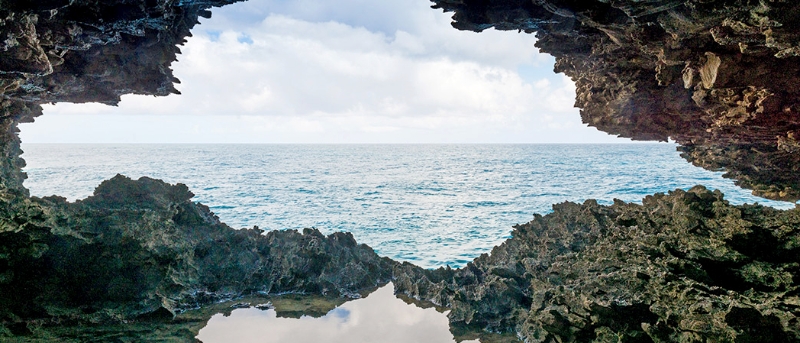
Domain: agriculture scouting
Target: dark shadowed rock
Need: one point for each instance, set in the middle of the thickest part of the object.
(136, 248)
(93, 51)
(720, 77)
(142, 248)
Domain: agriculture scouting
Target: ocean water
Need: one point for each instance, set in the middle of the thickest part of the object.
(432, 205)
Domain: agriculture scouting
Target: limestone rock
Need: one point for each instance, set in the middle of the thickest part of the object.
(718, 76)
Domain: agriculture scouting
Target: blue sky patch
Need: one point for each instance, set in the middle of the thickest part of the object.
(532, 73)
(340, 312)
(244, 38)
(213, 35)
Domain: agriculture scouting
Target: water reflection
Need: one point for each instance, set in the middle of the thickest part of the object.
(380, 317)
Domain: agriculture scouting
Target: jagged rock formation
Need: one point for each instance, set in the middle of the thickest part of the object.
(92, 51)
(84, 51)
(136, 248)
(683, 267)
(142, 248)
(185, 326)
(717, 76)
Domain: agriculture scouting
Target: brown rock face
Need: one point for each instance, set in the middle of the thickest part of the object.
(92, 51)
(84, 51)
(718, 77)
(682, 267)
(721, 78)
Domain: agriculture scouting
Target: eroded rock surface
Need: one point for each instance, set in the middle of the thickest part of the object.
(720, 77)
(93, 51)
(142, 248)
(682, 267)
(137, 249)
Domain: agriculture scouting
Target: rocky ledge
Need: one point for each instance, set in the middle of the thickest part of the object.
(682, 267)
(141, 249)
(719, 77)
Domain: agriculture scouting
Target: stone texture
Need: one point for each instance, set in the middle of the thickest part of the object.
(720, 77)
(142, 248)
(137, 248)
(183, 328)
(93, 51)
(682, 267)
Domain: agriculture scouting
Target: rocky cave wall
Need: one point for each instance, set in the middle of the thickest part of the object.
(682, 267)
(136, 249)
(719, 77)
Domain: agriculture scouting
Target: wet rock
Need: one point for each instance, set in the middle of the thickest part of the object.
(265, 306)
(718, 77)
(137, 249)
(184, 327)
(684, 267)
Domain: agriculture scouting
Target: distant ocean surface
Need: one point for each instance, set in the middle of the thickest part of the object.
(432, 205)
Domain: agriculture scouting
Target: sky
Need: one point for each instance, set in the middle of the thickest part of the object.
(348, 71)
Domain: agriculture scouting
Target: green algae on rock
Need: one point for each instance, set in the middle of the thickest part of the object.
(682, 267)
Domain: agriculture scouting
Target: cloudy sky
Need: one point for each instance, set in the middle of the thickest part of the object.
(349, 71)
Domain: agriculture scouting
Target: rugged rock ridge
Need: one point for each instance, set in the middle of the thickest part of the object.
(141, 248)
(90, 50)
(716, 76)
(84, 51)
(136, 249)
(682, 267)
(720, 77)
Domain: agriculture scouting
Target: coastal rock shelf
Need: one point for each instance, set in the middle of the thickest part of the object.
(141, 249)
(682, 267)
(719, 77)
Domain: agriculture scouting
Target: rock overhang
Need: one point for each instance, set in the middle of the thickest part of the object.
(717, 77)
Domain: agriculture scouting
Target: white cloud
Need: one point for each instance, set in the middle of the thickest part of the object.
(304, 72)
(380, 317)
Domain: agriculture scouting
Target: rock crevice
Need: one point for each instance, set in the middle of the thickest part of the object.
(139, 247)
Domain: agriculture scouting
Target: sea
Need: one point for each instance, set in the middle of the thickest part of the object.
(431, 205)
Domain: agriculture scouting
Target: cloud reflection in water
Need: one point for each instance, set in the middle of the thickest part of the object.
(380, 317)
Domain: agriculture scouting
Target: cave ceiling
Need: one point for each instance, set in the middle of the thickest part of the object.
(720, 78)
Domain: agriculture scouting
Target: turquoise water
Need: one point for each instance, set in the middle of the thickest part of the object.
(432, 205)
